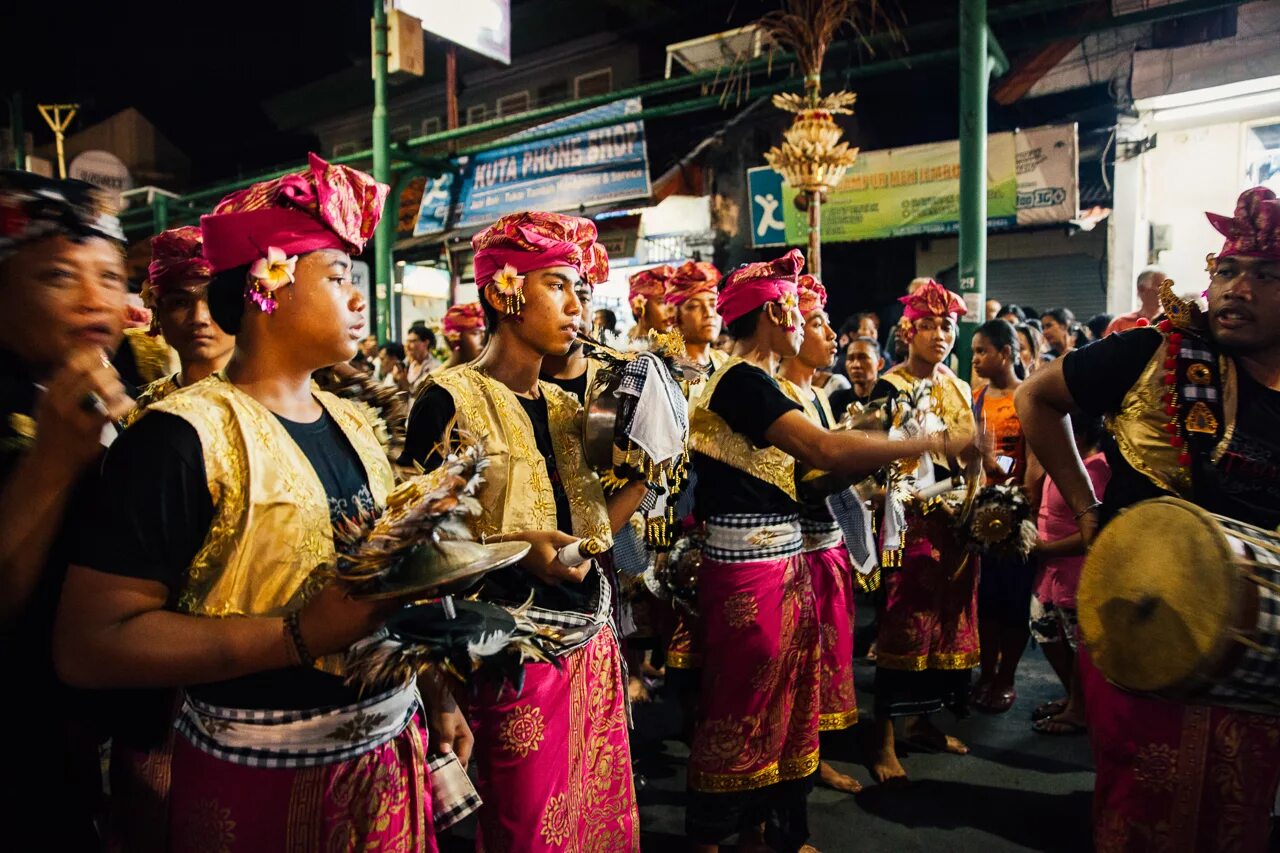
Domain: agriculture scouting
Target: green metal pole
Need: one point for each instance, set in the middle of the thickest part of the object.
(18, 131)
(386, 234)
(160, 212)
(974, 75)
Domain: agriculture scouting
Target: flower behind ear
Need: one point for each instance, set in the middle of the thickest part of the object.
(510, 284)
(268, 275)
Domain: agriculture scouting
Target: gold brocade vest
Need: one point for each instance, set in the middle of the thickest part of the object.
(793, 391)
(515, 494)
(153, 393)
(271, 529)
(713, 438)
(152, 355)
(1139, 425)
(952, 400)
(694, 390)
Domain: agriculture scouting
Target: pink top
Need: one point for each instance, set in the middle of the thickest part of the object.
(1060, 576)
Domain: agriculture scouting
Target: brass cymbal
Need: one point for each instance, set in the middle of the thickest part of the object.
(440, 568)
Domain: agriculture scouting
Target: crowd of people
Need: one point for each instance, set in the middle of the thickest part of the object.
(171, 609)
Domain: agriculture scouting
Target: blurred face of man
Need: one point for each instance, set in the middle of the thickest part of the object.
(1244, 304)
(58, 295)
(993, 308)
(699, 320)
(862, 362)
(934, 337)
(659, 315)
(867, 328)
(469, 344)
(183, 314)
(819, 345)
(369, 346)
(416, 347)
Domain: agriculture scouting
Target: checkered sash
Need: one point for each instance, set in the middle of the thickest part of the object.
(576, 629)
(293, 739)
(819, 535)
(453, 797)
(854, 518)
(750, 538)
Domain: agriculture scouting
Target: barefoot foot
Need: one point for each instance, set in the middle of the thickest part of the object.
(833, 778)
(637, 691)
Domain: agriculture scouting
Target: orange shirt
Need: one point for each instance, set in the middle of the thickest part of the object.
(1002, 422)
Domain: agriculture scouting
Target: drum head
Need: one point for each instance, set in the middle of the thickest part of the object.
(1158, 596)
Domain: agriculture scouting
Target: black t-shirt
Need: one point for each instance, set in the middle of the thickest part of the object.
(156, 511)
(431, 414)
(749, 400)
(842, 399)
(1245, 482)
(577, 387)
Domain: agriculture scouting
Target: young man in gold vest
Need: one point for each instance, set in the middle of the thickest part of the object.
(208, 557)
(824, 551)
(755, 748)
(555, 767)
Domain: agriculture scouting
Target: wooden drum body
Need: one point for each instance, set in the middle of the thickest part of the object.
(1183, 604)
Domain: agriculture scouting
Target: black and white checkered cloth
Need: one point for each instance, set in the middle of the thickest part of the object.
(632, 382)
(453, 797)
(1256, 678)
(320, 737)
(748, 538)
(577, 629)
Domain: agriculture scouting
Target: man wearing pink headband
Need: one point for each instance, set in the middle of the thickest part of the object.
(755, 745)
(824, 551)
(203, 570)
(647, 297)
(691, 294)
(464, 331)
(554, 761)
(177, 292)
(927, 641)
(1193, 405)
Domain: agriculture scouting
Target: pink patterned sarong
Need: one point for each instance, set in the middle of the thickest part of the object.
(758, 712)
(1174, 777)
(831, 571)
(555, 761)
(380, 801)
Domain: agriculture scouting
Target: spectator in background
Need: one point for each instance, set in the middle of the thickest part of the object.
(604, 327)
(1148, 287)
(1033, 351)
(419, 344)
(993, 309)
(464, 332)
(1098, 325)
(391, 367)
(1060, 328)
(863, 363)
(366, 357)
(1013, 314)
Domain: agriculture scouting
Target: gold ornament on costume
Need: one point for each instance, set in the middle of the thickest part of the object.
(1200, 419)
(1200, 374)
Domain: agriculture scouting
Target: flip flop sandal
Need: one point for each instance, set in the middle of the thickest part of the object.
(1048, 709)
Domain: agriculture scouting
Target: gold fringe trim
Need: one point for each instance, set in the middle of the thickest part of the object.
(837, 721)
(780, 771)
(919, 663)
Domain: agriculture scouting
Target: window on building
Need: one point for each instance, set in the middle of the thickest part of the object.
(593, 83)
(553, 93)
(477, 113)
(430, 125)
(342, 149)
(513, 104)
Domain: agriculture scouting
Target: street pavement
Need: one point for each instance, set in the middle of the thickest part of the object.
(1016, 790)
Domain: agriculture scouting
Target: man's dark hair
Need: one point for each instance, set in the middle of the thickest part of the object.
(394, 349)
(491, 315)
(226, 298)
(862, 339)
(1098, 324)
(1062, 316)
(744, 326)
(610, 319)
(1013, 310)
(420, 330)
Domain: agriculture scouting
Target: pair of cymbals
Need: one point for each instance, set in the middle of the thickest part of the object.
(440, 568)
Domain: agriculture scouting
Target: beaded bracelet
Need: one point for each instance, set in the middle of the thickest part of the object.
(293, 634)
(1090, 508)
